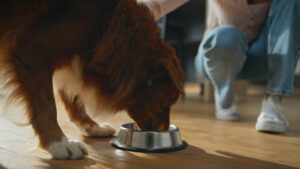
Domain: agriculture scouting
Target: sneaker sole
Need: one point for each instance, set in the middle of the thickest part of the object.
(270, 127)
(232, 117)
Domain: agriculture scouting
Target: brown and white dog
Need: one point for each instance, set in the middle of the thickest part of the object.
(98, 54)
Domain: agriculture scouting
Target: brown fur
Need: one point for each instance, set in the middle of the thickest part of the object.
(123, 60)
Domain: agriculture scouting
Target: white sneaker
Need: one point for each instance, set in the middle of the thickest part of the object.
(231, 113)
(228, 114)
(272, 118)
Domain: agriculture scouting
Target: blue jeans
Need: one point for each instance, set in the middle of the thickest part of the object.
(225, 54)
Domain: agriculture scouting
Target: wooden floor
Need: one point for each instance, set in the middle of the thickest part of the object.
(212, 144)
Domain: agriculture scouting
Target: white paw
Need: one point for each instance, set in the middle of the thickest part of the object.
(102, 130)
(67, 149)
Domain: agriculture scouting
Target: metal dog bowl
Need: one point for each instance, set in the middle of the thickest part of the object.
(132, 139)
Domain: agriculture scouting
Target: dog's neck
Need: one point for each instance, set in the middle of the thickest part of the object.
(123, 52)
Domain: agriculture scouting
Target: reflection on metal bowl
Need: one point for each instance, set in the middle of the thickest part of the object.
(132, 139)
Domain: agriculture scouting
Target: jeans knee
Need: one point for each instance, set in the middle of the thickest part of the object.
(223, 46)
(228, 38)
(225, 40)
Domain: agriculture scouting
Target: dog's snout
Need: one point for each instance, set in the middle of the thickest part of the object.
(163, 127)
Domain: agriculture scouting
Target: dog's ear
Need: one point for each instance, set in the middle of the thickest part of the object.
(176, 75)
(130, 33)
(171, 65)
(130, 44)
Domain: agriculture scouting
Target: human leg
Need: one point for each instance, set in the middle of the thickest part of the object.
(220, 57)
(282, 55)
(282, 59)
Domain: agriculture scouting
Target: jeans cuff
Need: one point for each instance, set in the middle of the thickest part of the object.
(275, 91)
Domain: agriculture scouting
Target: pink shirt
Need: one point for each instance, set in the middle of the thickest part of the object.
(238, 13)
(160, 8)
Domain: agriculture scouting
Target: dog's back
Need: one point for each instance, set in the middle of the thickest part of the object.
(15, 15)
(64, 27)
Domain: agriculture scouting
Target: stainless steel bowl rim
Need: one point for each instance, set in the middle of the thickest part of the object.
(116, 144)
(124, 127)
(132, 139)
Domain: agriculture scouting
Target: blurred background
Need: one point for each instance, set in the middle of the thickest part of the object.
(184, 29)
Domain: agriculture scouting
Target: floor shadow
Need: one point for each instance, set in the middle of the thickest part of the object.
(2, 167)
(190, 158)
(292, 133)
(103, 155)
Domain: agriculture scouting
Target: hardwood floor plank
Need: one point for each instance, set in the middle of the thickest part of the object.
(212, 144)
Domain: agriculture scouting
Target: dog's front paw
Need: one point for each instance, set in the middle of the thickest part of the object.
(67, 149)
(102, 130)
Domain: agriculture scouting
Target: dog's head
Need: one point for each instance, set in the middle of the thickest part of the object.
(156, 88)
(140, 71)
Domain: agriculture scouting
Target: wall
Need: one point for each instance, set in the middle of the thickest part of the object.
(298, 68)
